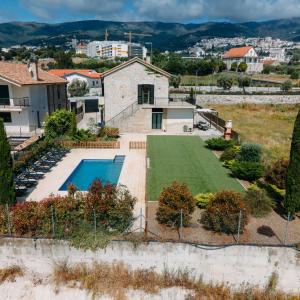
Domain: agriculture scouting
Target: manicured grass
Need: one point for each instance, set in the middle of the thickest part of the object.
(186, 160)
(266, 124)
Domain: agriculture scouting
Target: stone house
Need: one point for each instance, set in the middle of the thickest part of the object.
(28, 95)
(136, 99)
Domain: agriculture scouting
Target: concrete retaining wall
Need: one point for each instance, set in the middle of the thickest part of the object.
(235, 265)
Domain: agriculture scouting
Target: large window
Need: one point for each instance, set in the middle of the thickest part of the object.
(6, 116)
(145, 94)
(4, 95)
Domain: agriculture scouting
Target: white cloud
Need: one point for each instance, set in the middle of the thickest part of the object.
(164, 10)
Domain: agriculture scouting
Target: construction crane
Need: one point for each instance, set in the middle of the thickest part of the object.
(130, 34)
(106, 35)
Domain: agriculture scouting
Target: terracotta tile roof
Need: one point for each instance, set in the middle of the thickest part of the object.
(237, 52)
(18, 73)
(86, 73)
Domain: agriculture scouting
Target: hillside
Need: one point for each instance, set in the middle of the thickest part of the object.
(171, 36)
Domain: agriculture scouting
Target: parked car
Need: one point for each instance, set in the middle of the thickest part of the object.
(202, 125)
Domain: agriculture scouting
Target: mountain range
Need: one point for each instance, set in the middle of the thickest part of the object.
(164, 36)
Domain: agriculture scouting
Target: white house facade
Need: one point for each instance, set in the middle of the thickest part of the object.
(136, 99)
(243, 54)
(27, 96)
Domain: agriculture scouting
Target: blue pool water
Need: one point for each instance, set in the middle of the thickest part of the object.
(107, 170)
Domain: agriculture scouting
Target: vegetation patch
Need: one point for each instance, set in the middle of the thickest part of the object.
(115, 280)
(10, 273)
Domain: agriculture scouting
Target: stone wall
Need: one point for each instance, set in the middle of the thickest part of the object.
(234, 265)
(234, 99)
(121, 87)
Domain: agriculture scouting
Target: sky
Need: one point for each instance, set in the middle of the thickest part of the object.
(182, 11)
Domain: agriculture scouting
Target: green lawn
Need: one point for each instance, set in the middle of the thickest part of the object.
(186, 160)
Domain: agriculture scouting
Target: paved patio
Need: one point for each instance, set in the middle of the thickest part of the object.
(133, 173)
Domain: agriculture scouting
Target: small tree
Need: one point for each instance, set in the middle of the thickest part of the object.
(175, 81)
(78, 88)
(244, 81)
(171, 201)
(294, 75)
(60, 123)
(225, 81)
(242, 67)
(234, 66)
(223, 212)
(286, 86)
(258, 202)
(7, 188)
(292, 184)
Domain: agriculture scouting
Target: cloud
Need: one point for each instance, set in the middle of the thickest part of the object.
(163, 10)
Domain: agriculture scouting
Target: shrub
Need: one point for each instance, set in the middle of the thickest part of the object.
(25, 218)
(222, 213)
(250, 152)
(229, 163)
(3, 220)
(60, 123)
(230, 153)
(171, 201)
(112, 205)
(203, 199)
(265, 230)
(258, 202)
(225, 81)
(250, 171)
(219, 144)
(276, 174)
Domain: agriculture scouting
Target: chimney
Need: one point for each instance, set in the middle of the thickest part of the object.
(33, 68)
(148, 58)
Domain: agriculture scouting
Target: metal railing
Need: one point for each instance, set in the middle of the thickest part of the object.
(166, 102)
(14, 102)
(124, 114)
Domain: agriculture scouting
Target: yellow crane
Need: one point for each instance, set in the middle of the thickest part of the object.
(130, 34)
(106, 35)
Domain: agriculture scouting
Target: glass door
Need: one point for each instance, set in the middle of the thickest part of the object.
(156, 120)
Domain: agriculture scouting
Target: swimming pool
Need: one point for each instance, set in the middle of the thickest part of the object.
(107, 170)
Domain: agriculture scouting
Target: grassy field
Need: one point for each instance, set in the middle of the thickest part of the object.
(186, 160)
(268, 125)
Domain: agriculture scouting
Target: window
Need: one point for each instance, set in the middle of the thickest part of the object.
(4, 95)
(93, 83)
(145, 94)
(6, 116)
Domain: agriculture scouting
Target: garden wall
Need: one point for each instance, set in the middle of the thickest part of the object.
(233, 99)
(235, 265)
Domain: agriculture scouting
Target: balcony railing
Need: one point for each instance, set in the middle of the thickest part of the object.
(14, 102)
(169, 102)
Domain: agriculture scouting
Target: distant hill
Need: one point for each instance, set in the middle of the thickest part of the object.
(164, 36)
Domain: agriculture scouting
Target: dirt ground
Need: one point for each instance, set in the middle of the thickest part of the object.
(195, 233)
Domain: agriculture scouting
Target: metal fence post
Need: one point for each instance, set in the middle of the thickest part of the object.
(239, 227)
(181, 224)
(52, 221)
(141, 219)
(286, 229)
(95, 223)
(8, 219)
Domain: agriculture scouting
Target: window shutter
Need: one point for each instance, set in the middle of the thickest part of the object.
(140, 99)
(151, 94)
